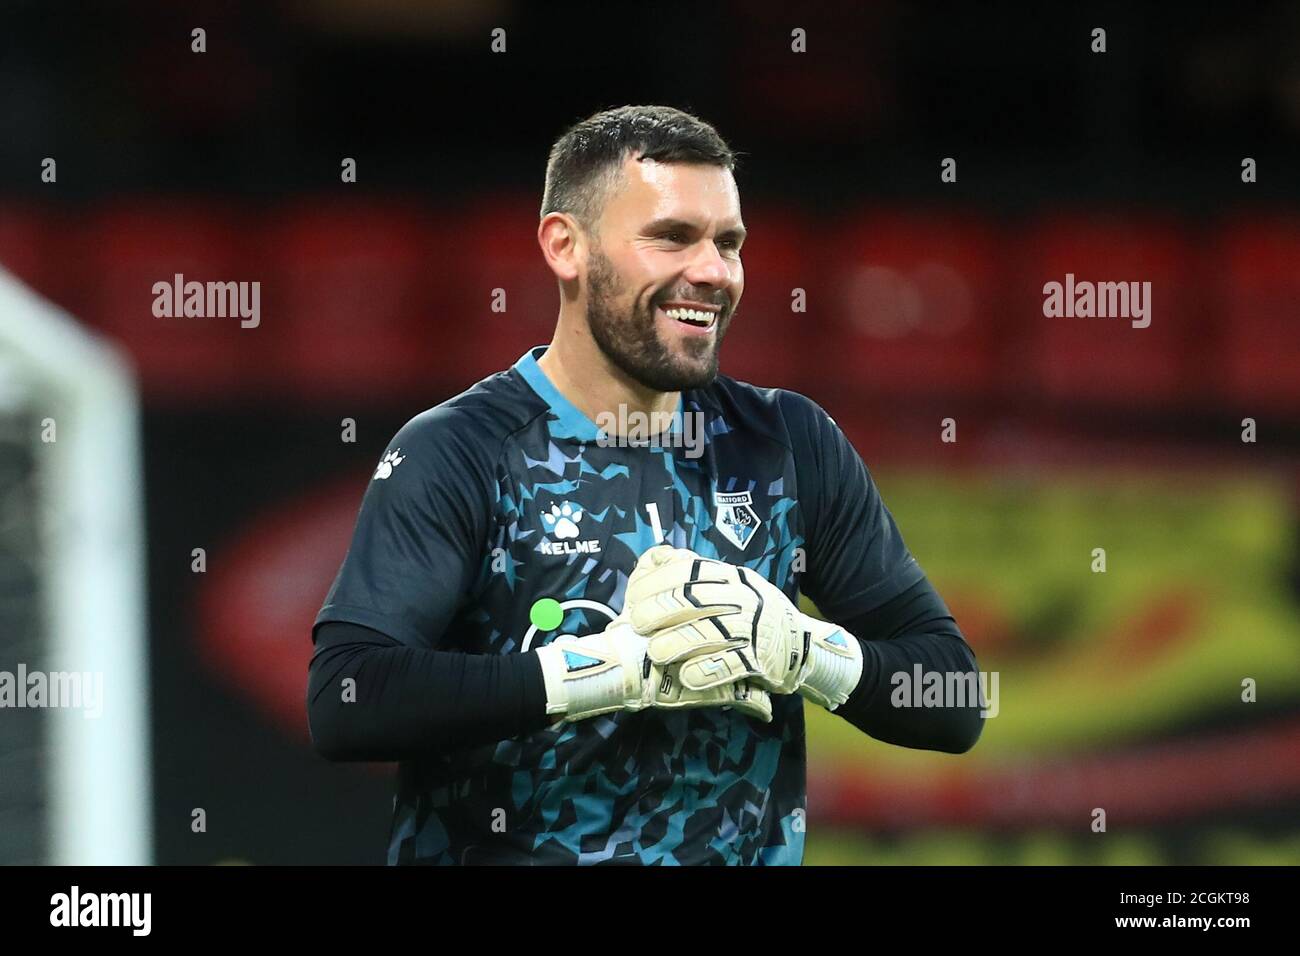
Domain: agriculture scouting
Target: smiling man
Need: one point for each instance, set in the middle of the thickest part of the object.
(584, 646)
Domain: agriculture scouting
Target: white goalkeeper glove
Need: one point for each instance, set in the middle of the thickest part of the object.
(612, 671)
(692, 608)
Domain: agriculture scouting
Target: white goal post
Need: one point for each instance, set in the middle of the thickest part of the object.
(76, 400)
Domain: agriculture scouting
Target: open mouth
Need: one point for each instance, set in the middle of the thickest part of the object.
(698, 319)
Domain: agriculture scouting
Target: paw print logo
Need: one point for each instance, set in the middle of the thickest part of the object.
(390, 461)
(562, 521)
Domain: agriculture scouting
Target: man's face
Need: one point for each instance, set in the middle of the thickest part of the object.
(669, 239)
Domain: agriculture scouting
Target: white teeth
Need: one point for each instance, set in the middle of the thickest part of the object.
(693, 316)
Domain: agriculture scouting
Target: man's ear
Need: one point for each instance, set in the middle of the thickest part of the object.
(561, 241)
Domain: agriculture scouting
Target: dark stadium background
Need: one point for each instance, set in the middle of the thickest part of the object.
(1119, 690)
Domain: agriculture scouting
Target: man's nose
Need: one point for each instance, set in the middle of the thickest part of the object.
(707, 266)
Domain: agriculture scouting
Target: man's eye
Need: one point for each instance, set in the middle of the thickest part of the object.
(674, 237)
(730, 243)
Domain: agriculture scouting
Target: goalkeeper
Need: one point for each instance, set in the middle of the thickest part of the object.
(580, 640)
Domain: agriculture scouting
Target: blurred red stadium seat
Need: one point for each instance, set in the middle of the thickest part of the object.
(126, 249)
(374, 300)
(915, 307)
(24, 236)
(1260, 299)
(768, 343)
(351, 297)
(1107, 360)
(497, 248)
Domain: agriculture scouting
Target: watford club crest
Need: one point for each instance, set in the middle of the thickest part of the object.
(736, 518)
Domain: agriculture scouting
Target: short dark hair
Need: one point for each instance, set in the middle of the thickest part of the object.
(587, 159)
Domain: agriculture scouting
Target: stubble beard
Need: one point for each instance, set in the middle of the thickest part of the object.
(631, 340)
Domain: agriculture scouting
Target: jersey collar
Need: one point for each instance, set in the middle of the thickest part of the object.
(572, 422)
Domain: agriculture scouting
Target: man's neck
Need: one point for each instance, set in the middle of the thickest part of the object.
(584, 375)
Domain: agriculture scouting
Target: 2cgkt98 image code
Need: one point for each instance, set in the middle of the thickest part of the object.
(1174, 896)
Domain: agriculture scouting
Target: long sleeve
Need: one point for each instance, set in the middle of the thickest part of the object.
(406, 702)
(915, 628)
(862, 576)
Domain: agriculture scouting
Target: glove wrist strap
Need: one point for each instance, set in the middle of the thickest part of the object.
(583, 679)
(834, 665)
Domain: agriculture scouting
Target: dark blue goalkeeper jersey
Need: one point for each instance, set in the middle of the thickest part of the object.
(502, 519)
